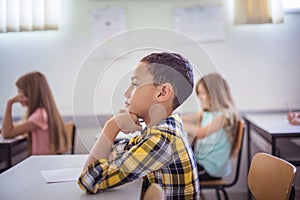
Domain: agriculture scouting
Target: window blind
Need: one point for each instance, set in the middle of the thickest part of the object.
(258, 11)
(29, 15)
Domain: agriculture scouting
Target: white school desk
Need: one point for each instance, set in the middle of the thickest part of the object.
(25, 181)
(275, 128)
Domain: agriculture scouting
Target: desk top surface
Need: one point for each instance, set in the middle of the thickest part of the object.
(25, 181)
(9, 141)
(273, 123)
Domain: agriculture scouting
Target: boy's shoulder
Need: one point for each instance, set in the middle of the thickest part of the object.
(170, 121)
(171, 125)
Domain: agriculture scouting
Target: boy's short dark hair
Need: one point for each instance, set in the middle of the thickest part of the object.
(174, 69)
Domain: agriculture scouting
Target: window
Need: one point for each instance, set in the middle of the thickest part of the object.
(291, 5)
(29, 15)
(258, 11)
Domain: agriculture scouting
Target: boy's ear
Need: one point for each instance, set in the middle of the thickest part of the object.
(165, 92)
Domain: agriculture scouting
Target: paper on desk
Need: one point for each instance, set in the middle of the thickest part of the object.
(61, 175)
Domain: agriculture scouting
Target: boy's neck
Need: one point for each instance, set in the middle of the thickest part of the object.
(157, 113)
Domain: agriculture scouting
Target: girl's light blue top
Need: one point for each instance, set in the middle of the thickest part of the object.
(213, 151)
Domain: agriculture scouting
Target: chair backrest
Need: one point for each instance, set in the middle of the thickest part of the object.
(240, 133)
(155, 191)
(238, 151)
(237, 155)
(270, 177)
(220, 185)
(70, 128)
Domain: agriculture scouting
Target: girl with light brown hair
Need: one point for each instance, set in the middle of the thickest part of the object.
(213, 128)
(43, 123)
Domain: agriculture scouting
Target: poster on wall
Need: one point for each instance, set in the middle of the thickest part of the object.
(201, 23)
(105, 23)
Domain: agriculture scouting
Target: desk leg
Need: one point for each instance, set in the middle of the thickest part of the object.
(248, 154)
(248, 145)
(274, 146)
(9, 158)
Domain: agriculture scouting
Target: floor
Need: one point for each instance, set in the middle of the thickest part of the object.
(211, 195)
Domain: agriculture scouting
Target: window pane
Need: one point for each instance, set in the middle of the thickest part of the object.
(13, 15)
(2, 15)
(52, 14)
(38, 14)
(26, 15)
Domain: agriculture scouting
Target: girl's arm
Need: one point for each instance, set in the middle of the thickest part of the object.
(201, 132)
(194, 118)
(9, 130)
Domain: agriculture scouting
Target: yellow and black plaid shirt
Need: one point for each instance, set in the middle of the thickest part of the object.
(161, 154)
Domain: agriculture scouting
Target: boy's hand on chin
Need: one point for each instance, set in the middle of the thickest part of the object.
(127, 122)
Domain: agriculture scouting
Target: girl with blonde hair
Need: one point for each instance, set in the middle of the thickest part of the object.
(43, 123)
(213, 128)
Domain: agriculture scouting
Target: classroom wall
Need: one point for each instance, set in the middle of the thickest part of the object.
(260, 62)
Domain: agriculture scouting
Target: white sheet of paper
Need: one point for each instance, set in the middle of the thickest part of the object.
(61, 175)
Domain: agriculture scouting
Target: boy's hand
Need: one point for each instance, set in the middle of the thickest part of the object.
(127, 122)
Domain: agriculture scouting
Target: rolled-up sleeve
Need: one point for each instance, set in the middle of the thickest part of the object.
(131, 159)
(93, 174)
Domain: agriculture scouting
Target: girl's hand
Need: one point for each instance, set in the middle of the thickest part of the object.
(127, 122)
(15, 99)
(290, 116)
(295, 119)
(18, 98)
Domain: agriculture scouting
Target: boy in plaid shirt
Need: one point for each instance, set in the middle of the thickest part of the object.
(161, 154)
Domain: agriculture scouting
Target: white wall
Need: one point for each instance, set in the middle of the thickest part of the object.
(261, 62)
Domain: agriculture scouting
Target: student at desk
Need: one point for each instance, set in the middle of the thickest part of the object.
(161, 154)
(213, 128)
(47, 134)
(294, 118)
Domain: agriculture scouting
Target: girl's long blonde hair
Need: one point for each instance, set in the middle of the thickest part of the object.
(221, 100)
(36, 89)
